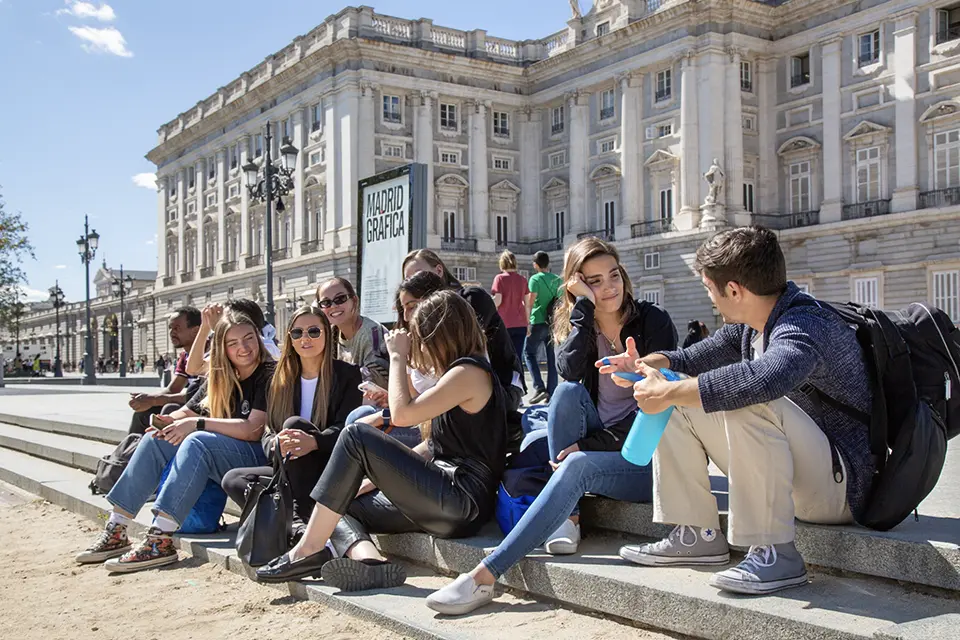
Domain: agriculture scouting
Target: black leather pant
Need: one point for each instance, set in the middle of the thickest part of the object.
(141, 419)
(303, 473)
(413, 494)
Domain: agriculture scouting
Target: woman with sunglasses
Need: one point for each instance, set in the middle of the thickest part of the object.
(309, 399)
(359, 340)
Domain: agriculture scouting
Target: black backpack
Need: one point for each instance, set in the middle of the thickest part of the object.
(111, 466)
(912, 359)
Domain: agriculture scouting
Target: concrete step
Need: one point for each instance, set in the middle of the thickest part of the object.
(400, 610)
(78, 453)
(109, 432)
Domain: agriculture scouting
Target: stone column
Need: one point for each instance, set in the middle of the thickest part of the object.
(769, 177)
(631, 150)
(245, 239)
(905, 130)
(200, 251)
(333, 170)
(299, 204)
(347, 132)
(733, 133)
(689, 215)
(530, 132)
(479, 175)
(366, 130)
(423, 149)
(222, 171)
(163, 192)
(832, 205)
(577, 105)
(181, 262)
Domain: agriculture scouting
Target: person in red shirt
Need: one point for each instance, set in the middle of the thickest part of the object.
(509, 289)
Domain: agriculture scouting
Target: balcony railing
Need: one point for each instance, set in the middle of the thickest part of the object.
(253, 261)
(530, 248)
(651, 228)
(556, 128)
(867, 58)
(228, 267)
(168, 281)
(800, 79)
(459, 244)
(940, 198)
(950, 33)
(662, 94)
(186, 276)
(206, 272)
(603, 234)
(310, 246)
(779, 221)
(607, 112)
(280, 254)
(865, 210)
(746, 84)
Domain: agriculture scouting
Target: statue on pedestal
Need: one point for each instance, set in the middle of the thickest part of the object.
(714, 177)
(575, 7)
(713, 212)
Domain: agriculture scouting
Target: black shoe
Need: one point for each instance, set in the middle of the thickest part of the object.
(363, 575)
(282, 570)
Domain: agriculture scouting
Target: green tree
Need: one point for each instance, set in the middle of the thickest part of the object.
(15, 247)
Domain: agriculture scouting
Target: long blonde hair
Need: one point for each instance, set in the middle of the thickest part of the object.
(286, 378)
(573, 260)
(222, 379)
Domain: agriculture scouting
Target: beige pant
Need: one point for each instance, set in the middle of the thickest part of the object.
(777, 461)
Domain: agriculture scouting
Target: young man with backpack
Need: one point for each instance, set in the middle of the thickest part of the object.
(539, 303)
(748, 406)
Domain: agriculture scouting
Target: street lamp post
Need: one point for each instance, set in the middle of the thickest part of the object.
(87, 247)
(57, 297)
(121, 286)
(276, 182)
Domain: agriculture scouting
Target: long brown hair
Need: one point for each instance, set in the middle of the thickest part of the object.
(573, 260)
(419, 286)
(444, 328)
(286, 378)
(434, 261)
(223, 381)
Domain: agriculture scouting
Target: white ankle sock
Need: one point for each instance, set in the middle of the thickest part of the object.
(165, 524)
(116, 518)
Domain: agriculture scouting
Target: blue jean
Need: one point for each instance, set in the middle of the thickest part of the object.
(202, 456)
(540, 335)
(409, 436)
(518, 336)
(572, 415)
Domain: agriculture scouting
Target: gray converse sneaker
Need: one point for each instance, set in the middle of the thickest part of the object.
(765, 570)
(684, 546)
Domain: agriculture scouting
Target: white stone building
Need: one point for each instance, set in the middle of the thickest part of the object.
(836, 122)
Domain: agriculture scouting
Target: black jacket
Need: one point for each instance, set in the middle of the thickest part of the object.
(345, 396)
(652, 329)
(503, 357)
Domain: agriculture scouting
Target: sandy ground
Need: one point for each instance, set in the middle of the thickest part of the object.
(46, 596)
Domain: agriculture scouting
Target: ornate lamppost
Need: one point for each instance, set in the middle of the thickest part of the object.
(87, 247)
(120, 287)
(57, 298)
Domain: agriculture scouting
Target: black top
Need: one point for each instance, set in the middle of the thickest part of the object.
(345, 396)
(503, 357)
(253, 393)
(650, 326)
(475, 442)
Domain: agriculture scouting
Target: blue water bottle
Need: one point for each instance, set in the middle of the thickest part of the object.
(647, 429)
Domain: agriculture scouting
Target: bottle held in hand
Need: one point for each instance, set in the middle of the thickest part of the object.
(647, 429)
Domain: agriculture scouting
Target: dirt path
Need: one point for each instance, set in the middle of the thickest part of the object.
(46, 596)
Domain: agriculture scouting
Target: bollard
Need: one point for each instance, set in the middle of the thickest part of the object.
(166, 378)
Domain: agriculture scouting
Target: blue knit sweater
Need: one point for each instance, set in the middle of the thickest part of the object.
(803, 343)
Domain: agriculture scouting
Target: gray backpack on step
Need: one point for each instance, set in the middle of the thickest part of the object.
(111, 466)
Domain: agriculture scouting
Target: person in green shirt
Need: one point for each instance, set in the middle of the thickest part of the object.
(543, 287)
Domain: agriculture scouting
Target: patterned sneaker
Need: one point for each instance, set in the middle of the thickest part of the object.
(765, 570)
(685, 546)
(111, 543)
(155, 550)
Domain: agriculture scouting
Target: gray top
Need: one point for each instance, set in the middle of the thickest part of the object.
(614, 403)
(367, 348)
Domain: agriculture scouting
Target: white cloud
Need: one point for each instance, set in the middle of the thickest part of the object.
(146, 180)
(152, 240)
(34, 295)
(106, 40)
(79, 9)
(60, 266)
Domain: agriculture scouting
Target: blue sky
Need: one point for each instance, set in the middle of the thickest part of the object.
(86, 85)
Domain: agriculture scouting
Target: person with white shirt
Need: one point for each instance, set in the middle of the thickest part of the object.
(310, 397)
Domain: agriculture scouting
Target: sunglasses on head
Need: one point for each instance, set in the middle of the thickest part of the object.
(313, 332)
(337, 301)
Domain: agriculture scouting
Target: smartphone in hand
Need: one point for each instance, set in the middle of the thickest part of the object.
(368, 387)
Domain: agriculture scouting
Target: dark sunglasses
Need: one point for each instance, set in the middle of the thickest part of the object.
(337, 301)
(313, 332)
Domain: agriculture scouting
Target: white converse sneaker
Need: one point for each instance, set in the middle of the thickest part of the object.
(461, 596)
(564, 541)
(689, 546)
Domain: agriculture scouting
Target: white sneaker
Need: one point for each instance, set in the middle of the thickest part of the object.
(564, 541)
(461, 596)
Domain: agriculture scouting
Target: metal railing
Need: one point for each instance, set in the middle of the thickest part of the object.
(662, 94)
(206, 272)
(530, 248)
(779, 221)
(186, 276)
(228, 267)
(557, 128)
(458, 244)
(800, 79)
(310, 246)
(746, 84)
(940, 198)
(168, 281)
(865, 210)
(607, 112)
(253, 261)
(950, 33)
(603, 234)
(651, 228)
(867, 58)
(280, 254)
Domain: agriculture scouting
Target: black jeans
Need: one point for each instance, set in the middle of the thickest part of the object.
(141, 419)
(413, 494)
(303, 473)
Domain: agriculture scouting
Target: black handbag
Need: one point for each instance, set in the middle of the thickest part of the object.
(267, 520)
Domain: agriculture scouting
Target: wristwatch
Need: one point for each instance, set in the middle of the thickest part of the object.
(201, 424)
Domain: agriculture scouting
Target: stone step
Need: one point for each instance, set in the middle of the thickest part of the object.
(400, 609)
(110, 433)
